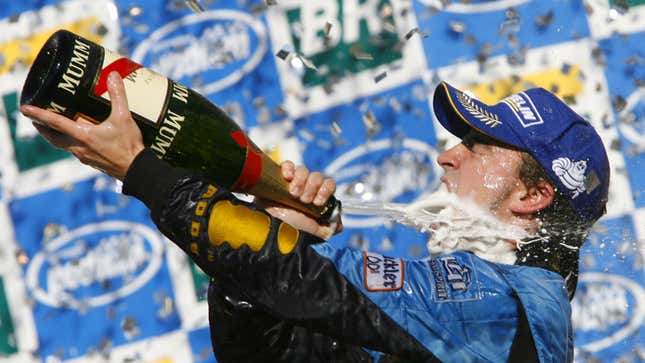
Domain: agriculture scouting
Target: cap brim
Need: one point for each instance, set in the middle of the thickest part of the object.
(459, 114)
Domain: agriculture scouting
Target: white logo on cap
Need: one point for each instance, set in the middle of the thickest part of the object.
(571, 174)
(524, 109)
(485, 116)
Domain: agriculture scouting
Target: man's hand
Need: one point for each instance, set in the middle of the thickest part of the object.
(110, 146)
(309, 188)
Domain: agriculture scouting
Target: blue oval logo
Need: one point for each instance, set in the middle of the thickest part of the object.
(218, 46)
(607, 309)
(377, 172)
(95, 264)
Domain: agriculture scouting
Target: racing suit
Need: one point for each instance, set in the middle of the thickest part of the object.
(280, 294)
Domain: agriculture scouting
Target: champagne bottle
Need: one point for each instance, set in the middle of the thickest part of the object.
(69, 76)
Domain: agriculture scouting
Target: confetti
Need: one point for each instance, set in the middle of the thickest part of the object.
(282, 54)
(22, 257)
(618, 102)
(415, 31)
(335, 129)
(328, 27)
(371, 125)
(457, 26)
(135, 11)
(362, 56)
(129, 327)
(195, 5)
(544, 20)
(379, 77)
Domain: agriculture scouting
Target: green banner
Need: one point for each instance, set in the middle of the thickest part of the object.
(30, 150)
(361, 39)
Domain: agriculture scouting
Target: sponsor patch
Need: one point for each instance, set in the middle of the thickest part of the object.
(382, 273)
(524, 109)
(455, 279)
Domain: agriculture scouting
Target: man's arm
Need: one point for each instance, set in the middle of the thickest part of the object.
(357, 297)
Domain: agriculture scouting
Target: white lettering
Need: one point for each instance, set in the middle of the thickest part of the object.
(76, 68)
(180, 92)
(115, 256)
(54, 107)
(314, 17)
(353, 13)
(167, 133)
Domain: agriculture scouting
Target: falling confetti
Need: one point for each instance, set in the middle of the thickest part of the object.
(415, 31)
(544, 20)
(379, 77)
(371, 125)
(195, 5)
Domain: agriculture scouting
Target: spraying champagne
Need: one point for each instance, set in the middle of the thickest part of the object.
(69, 77)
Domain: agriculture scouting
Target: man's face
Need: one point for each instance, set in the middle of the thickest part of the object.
(483, 171)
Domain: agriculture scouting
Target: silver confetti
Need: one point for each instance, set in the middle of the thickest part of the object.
(362, 56)
(511, 23)
(415, 31)
(379, 77)
(129, 327)
(22, 257)
(544, 20)
(195, 5)
(457, 26)
(335, 129)
(371, 125)
(328, 26)
(135, 11)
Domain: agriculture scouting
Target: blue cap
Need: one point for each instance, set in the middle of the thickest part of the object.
(538, 122)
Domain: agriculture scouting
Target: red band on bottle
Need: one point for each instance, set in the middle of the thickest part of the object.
(122, 65)
(252, 165)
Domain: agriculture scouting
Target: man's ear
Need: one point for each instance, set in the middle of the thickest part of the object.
(533, 199)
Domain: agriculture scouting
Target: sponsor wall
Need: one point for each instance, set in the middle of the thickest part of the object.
(86, 277)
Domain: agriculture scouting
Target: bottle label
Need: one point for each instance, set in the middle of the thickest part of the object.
(146, 90)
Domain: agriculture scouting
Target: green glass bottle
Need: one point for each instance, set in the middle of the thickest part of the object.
(69, 76)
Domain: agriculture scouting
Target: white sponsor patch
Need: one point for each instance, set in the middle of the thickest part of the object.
(524, 109)
(382, 273)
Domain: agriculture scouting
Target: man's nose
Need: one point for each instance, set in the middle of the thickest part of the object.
(451, 158)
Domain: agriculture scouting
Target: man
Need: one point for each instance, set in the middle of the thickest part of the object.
(282, 294)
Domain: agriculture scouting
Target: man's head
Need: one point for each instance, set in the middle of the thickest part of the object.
(529, 159)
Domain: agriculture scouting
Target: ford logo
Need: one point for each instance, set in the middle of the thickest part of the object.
(375, 172)
(219, 46)
(95, 264)
(607, 309)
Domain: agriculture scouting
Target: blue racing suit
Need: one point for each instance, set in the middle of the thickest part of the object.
(280, 294)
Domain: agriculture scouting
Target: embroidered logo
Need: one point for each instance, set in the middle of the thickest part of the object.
(571, 174)
(458, 276)
(483, 115)
(455, 279)
(524, 109)
(382, 273)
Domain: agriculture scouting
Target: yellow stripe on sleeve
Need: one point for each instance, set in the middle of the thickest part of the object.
(238, 225)
(287, 238)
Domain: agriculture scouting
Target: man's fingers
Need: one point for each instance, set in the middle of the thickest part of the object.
(54, 137)
(287, 169)
(53, 120)
(325, 191)
(116, 90)
(297, 185)
(314, 181)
